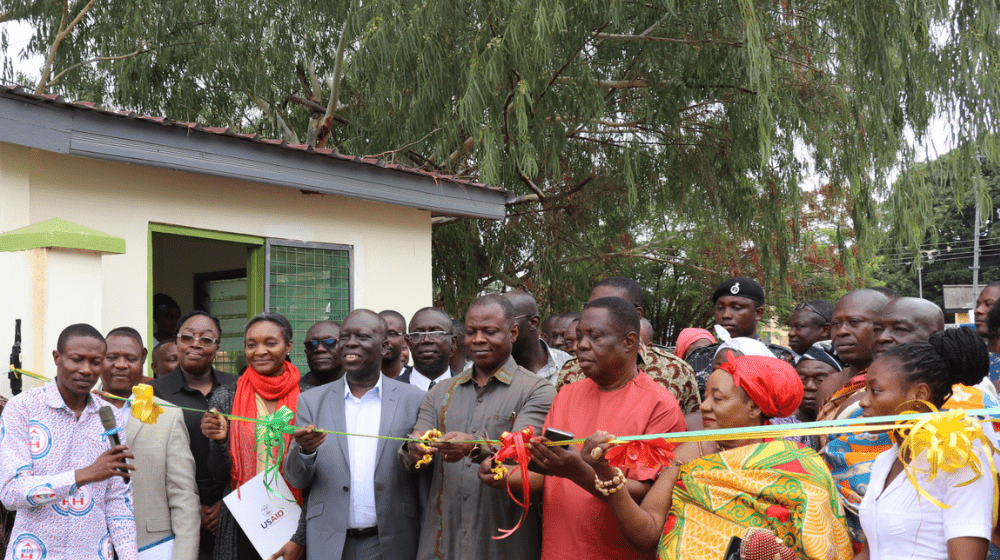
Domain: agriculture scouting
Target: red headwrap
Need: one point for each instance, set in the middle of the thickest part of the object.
(687, 337)
(772, 384)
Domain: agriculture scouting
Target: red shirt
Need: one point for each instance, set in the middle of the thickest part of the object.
(576, 525)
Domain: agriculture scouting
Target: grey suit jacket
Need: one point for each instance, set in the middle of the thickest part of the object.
(397, 505)
(164, 491)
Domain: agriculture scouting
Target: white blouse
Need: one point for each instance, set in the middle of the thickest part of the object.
(899, 523)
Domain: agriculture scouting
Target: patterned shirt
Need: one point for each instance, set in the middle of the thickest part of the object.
(663, 367)
(557, 358)
(463, 514)
(42, 443)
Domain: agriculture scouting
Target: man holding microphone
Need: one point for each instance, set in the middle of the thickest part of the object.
(56, 468)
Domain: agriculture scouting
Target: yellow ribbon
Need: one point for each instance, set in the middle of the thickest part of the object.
(143, 407)
(429, 435)
(946, 440)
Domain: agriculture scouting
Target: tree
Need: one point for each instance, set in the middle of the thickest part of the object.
(946, 250)
(666, 133)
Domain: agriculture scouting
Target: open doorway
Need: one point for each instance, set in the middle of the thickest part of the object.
(234, 277)
(209, 271)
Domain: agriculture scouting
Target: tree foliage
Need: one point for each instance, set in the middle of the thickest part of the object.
(946, 251)
(667, 140)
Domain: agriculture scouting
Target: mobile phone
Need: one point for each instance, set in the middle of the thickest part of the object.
(553, 435)
(558, 435)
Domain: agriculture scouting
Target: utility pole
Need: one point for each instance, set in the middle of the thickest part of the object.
(920, 279)
(975, 251)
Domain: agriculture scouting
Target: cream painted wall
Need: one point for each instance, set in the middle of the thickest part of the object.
(392, 244)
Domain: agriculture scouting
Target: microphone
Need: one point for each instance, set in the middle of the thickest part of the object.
(110, 425)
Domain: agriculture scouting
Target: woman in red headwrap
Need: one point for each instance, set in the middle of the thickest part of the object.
(775, 495)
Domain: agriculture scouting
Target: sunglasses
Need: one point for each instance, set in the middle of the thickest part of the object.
(313, 345)
(810, 308)
(189, 339)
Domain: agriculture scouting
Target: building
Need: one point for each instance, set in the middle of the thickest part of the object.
(99, 210)
(960, 301)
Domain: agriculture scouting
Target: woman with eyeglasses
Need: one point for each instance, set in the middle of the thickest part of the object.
(191, 385)
(269, 383)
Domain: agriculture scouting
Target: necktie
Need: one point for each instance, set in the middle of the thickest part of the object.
(431, 386)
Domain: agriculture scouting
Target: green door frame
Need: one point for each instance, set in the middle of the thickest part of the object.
(255, 263)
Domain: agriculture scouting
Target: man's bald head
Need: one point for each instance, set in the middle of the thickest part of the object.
(524, 303)
(526, 319)
(904, 320)
(853, 326)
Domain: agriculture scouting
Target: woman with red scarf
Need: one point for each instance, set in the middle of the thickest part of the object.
(269, 382)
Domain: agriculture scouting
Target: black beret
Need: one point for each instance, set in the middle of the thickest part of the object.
(742, 287)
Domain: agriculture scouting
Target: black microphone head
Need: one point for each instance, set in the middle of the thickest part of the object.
(107, 418)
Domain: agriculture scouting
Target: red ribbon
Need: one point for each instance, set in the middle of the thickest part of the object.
(512, 447)
(643, 453)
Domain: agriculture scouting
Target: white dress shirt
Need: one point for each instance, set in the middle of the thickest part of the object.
(363, 416)
(900, 524)
(422, 382)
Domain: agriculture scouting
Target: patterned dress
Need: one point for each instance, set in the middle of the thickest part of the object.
(777, 485)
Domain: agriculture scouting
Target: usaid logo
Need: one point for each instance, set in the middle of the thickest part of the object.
(23, 470)
(77, 504)
(270, 516)
(104, 549)
(28, 547)
(39, 439)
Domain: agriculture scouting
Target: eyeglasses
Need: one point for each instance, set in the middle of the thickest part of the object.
(526, 315)
(393, 334)
(190, 338)
(433, 336)
(313, 345)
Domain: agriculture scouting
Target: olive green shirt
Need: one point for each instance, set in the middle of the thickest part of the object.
(463, 514)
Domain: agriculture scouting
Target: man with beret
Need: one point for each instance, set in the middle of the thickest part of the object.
(739, 306)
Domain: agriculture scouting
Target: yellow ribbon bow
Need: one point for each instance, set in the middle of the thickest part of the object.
(143, 407)
(945, 440)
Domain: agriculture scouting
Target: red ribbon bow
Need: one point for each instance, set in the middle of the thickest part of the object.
(643, 453)
(512, 447)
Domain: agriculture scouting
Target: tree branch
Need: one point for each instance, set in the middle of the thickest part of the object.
(331, 108)
(638, 255)
(406, 146)
(64, 31)
(287, 134)
(139, 50)
(615, 37)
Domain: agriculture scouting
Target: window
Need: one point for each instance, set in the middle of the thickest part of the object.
(307, 282)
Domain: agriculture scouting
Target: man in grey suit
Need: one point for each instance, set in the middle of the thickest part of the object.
(167, 510)
(362, 502)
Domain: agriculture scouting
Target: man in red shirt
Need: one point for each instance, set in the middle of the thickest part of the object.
(617, 397)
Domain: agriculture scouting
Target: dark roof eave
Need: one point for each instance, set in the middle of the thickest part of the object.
(51, 124)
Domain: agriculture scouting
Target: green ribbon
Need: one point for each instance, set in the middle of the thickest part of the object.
(270, 432)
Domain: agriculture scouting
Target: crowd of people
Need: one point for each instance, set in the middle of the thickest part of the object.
(77, 488)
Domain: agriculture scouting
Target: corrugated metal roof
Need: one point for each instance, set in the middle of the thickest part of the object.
(238, 136)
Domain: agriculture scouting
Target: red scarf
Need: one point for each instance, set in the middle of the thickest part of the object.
(283, 388)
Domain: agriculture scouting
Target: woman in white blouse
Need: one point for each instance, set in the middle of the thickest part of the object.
(899, 523)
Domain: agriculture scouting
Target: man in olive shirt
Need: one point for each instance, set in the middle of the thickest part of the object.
(494, 396)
